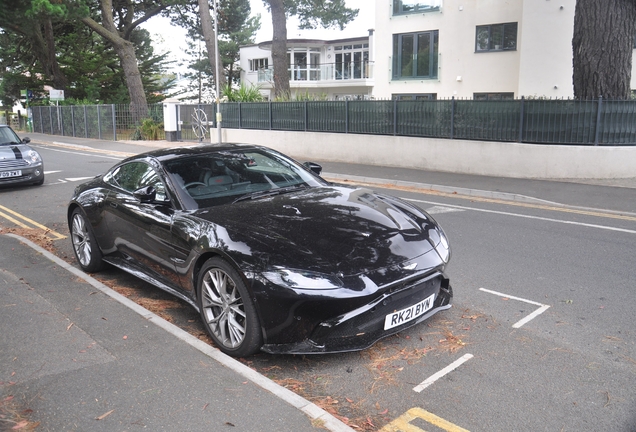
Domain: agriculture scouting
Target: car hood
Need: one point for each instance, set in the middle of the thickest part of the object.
(13, 151)
(327, 229)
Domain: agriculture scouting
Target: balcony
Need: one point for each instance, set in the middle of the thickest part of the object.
(333, 72)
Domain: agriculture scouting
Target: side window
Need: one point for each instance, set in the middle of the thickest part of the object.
(135, 175)
(401, 7)
(415, 55)
(496, 37)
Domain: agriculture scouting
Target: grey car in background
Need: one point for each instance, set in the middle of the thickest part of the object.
(19, 163)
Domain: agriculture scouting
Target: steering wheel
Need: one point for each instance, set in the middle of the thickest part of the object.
(189, 185)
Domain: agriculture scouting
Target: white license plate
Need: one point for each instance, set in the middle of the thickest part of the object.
(6, 174)
(410, 313)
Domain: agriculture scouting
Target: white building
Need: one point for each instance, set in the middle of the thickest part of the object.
(333, 69)
(482, 49)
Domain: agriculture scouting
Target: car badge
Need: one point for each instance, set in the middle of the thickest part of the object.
(411, 266)
(293, 208)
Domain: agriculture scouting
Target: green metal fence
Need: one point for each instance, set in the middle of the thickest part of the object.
(541, 121)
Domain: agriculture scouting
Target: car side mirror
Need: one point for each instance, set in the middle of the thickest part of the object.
(26, 140)
(146, 194)
(313, 167)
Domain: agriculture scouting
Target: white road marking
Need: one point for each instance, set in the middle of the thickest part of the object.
(442, 209)
(533, 315)
(74, 179)
(454, 365)
(604, 227)
(92, 154)
(51, 172)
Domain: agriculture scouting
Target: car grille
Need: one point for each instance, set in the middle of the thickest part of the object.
(14, 163)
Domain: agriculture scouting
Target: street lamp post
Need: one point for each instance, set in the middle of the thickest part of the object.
(219, 117)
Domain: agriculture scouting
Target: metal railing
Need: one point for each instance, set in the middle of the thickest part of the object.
(541, 121)
(323, 72)
(112, 122)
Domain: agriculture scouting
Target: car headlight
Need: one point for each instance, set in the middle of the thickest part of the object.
(33, 157)
(443, 247)
(302, 279)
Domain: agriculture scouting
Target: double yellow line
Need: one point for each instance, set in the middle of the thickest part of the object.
(23, 221)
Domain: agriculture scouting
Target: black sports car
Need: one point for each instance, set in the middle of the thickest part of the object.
(273, 257)
(19, 163)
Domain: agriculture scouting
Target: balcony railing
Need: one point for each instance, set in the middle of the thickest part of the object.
(323, 72)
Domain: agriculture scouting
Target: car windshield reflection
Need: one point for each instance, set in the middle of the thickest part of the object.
(231, 176)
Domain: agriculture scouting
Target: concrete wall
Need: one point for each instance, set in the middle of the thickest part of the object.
(470, 157)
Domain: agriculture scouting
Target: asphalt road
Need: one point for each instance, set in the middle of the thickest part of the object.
(541, 334)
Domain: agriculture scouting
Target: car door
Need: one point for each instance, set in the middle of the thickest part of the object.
(142, 231)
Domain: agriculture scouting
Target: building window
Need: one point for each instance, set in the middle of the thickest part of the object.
(258, 64)
(415, 55)
(401, 7)
(496, 37)
(493, 96)
(414, 96)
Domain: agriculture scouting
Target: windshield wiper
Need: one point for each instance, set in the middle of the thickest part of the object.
(269, 192)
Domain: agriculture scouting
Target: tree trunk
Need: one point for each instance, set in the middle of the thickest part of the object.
(126, 52)
(280, 58)
(59, 80)
(602, 47)
(209, 36)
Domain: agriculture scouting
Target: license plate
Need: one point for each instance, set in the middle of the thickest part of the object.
(410, 313)
(6, 174)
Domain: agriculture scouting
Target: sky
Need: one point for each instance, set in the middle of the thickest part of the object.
(172, 39)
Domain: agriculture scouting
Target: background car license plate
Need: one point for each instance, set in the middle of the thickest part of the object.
(410, 313)
(6, 174)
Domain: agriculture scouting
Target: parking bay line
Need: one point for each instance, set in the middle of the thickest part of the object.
(451, 367)
(403, 422)
(533, 315)
(57, 235)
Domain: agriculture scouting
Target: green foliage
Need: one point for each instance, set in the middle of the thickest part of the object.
(148, 130)
(321, 13)
(242, 94)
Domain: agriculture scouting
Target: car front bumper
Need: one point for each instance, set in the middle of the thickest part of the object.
(363, 326)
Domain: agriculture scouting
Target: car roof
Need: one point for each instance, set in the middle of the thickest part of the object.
(179, 152)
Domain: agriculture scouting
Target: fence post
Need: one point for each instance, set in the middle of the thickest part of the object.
(51, 119)
(85, 123)
(99, 122)
(452, 119)
(346, 115)
(240, 116)
(73, 118)
(395, 117)
(521, 113)
(598, 119)
(306, 120)
(114, 123)
(270, 115)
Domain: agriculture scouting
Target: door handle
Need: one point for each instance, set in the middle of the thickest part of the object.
(113, 204)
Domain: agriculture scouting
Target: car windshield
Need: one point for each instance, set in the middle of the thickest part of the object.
(225, 177)
(8, 137)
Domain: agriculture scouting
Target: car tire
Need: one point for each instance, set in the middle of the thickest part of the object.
(227, 310)
(86, 249)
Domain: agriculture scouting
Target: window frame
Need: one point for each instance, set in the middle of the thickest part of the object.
(398, 7)
(257, 64)
(398, 57)
(493, 96)
(491, 44)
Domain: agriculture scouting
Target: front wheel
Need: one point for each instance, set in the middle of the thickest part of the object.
(85, 246)
(227, 310)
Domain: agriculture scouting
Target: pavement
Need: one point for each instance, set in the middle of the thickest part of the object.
(76, 355)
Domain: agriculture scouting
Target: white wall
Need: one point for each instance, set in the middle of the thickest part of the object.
(543, 58)
(469, 157)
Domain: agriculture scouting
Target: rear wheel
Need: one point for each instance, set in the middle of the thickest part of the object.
(85, 246)
(227, 310)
